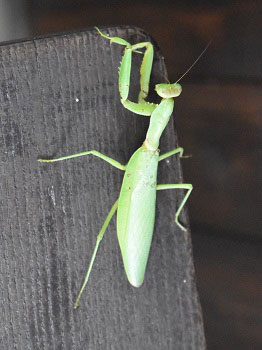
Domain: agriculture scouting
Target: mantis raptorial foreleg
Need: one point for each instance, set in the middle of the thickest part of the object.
(109, 160)
(187, 187)
(98, 240)
(125, 70)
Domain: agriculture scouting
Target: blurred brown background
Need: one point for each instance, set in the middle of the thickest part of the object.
(218, 117)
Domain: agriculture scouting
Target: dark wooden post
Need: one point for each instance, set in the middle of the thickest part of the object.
(59, 95)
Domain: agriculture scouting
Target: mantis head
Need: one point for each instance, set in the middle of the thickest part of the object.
(168, 90)
(174, 90)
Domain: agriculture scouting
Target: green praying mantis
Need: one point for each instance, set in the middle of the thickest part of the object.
(137, 199)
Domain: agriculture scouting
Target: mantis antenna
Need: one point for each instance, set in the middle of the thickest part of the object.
(192, 65)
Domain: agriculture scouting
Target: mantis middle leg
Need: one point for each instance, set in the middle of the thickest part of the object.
(179, 150)
(98, 240)
(109, 160)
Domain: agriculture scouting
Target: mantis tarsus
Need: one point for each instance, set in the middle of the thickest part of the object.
(136, 203)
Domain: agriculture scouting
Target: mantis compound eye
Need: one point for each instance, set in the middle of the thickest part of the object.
(168, 90)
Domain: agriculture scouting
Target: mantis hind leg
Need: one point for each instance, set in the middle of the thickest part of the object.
(187, 187)
(98, 240)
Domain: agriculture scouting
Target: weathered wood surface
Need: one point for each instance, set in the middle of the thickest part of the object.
(59, 95)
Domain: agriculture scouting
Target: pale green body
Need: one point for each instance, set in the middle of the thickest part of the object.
(137, 200)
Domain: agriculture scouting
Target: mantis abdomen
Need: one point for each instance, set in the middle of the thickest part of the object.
(136, 212)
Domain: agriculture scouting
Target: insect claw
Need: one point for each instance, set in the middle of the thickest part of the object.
(180, 225)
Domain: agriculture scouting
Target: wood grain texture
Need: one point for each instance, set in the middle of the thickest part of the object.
(59, 95)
